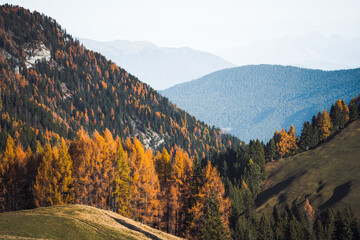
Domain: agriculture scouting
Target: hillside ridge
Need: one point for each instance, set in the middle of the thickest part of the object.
(58, 87)
(76, 222)
(253, 101)
(317, 174)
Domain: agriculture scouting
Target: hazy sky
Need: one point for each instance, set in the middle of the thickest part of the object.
(200, 24)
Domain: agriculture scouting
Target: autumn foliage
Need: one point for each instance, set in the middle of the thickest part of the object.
(286, 142)
(164, 191)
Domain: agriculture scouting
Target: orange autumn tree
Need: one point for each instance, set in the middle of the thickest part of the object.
(293, 140)
(282, 144)
(309, 211)
(81, 151)
(324, 125)
(182, 173)
(45, 187)
(5, 161)
(109, 165)
(12, 176)
(122, 190)
(145, 183)
(65, 174)
(286, 142)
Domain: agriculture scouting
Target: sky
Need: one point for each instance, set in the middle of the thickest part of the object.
(206, 25)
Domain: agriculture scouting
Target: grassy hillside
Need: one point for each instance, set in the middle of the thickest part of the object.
(253, 101)
(328, 175)
(73, 222)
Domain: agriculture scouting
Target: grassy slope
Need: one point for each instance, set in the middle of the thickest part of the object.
(73, 222)
(329, 176)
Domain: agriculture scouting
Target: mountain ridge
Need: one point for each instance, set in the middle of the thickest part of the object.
(160, 67)
(255, 100)
(58, 87)
(75, 222)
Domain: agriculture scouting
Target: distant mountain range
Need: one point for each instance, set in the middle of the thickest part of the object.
(159, 67)
(313, 50)
(253, 101)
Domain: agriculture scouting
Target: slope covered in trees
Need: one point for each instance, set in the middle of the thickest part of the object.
(75, 128)
(169, 191)
(252, 101)
(51, 86)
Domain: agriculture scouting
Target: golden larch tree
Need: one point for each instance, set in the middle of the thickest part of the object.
(324, 125)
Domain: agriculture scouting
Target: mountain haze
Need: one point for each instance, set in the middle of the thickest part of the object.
(313, 50)
(253, 101)
(159, 67)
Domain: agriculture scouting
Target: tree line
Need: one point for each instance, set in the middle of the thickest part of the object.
(319, 130)
(169, 191)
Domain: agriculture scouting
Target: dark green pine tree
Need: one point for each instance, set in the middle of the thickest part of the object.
(352, 221)
(253, 177)
(328, 220)
(264, 230)
(294, 231)
(335, 115)
(270, 150)
(342, 227)
(306, 137)
(244, 229)
(319, 229)
(195, 185)
(255, 151)
(315, 132)
(213, 225)
(353, 112)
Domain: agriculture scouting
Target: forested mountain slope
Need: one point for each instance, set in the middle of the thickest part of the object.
(253, 101)
(159, 67)
(51, 86)
(328, 176)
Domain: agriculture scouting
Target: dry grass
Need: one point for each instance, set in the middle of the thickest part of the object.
(74, 222)
(329, 176)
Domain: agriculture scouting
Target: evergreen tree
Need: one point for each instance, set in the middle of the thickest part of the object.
(328, 220)
(212, 223)
(353, 111)
(270, 150)
(252, 177)
(264, 230)
(335, 114)
(255, 151)
(306, 136)
(342, 227)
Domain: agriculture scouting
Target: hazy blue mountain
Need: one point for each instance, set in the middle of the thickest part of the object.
(313, 50)
(253, 101)
(158, 66)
